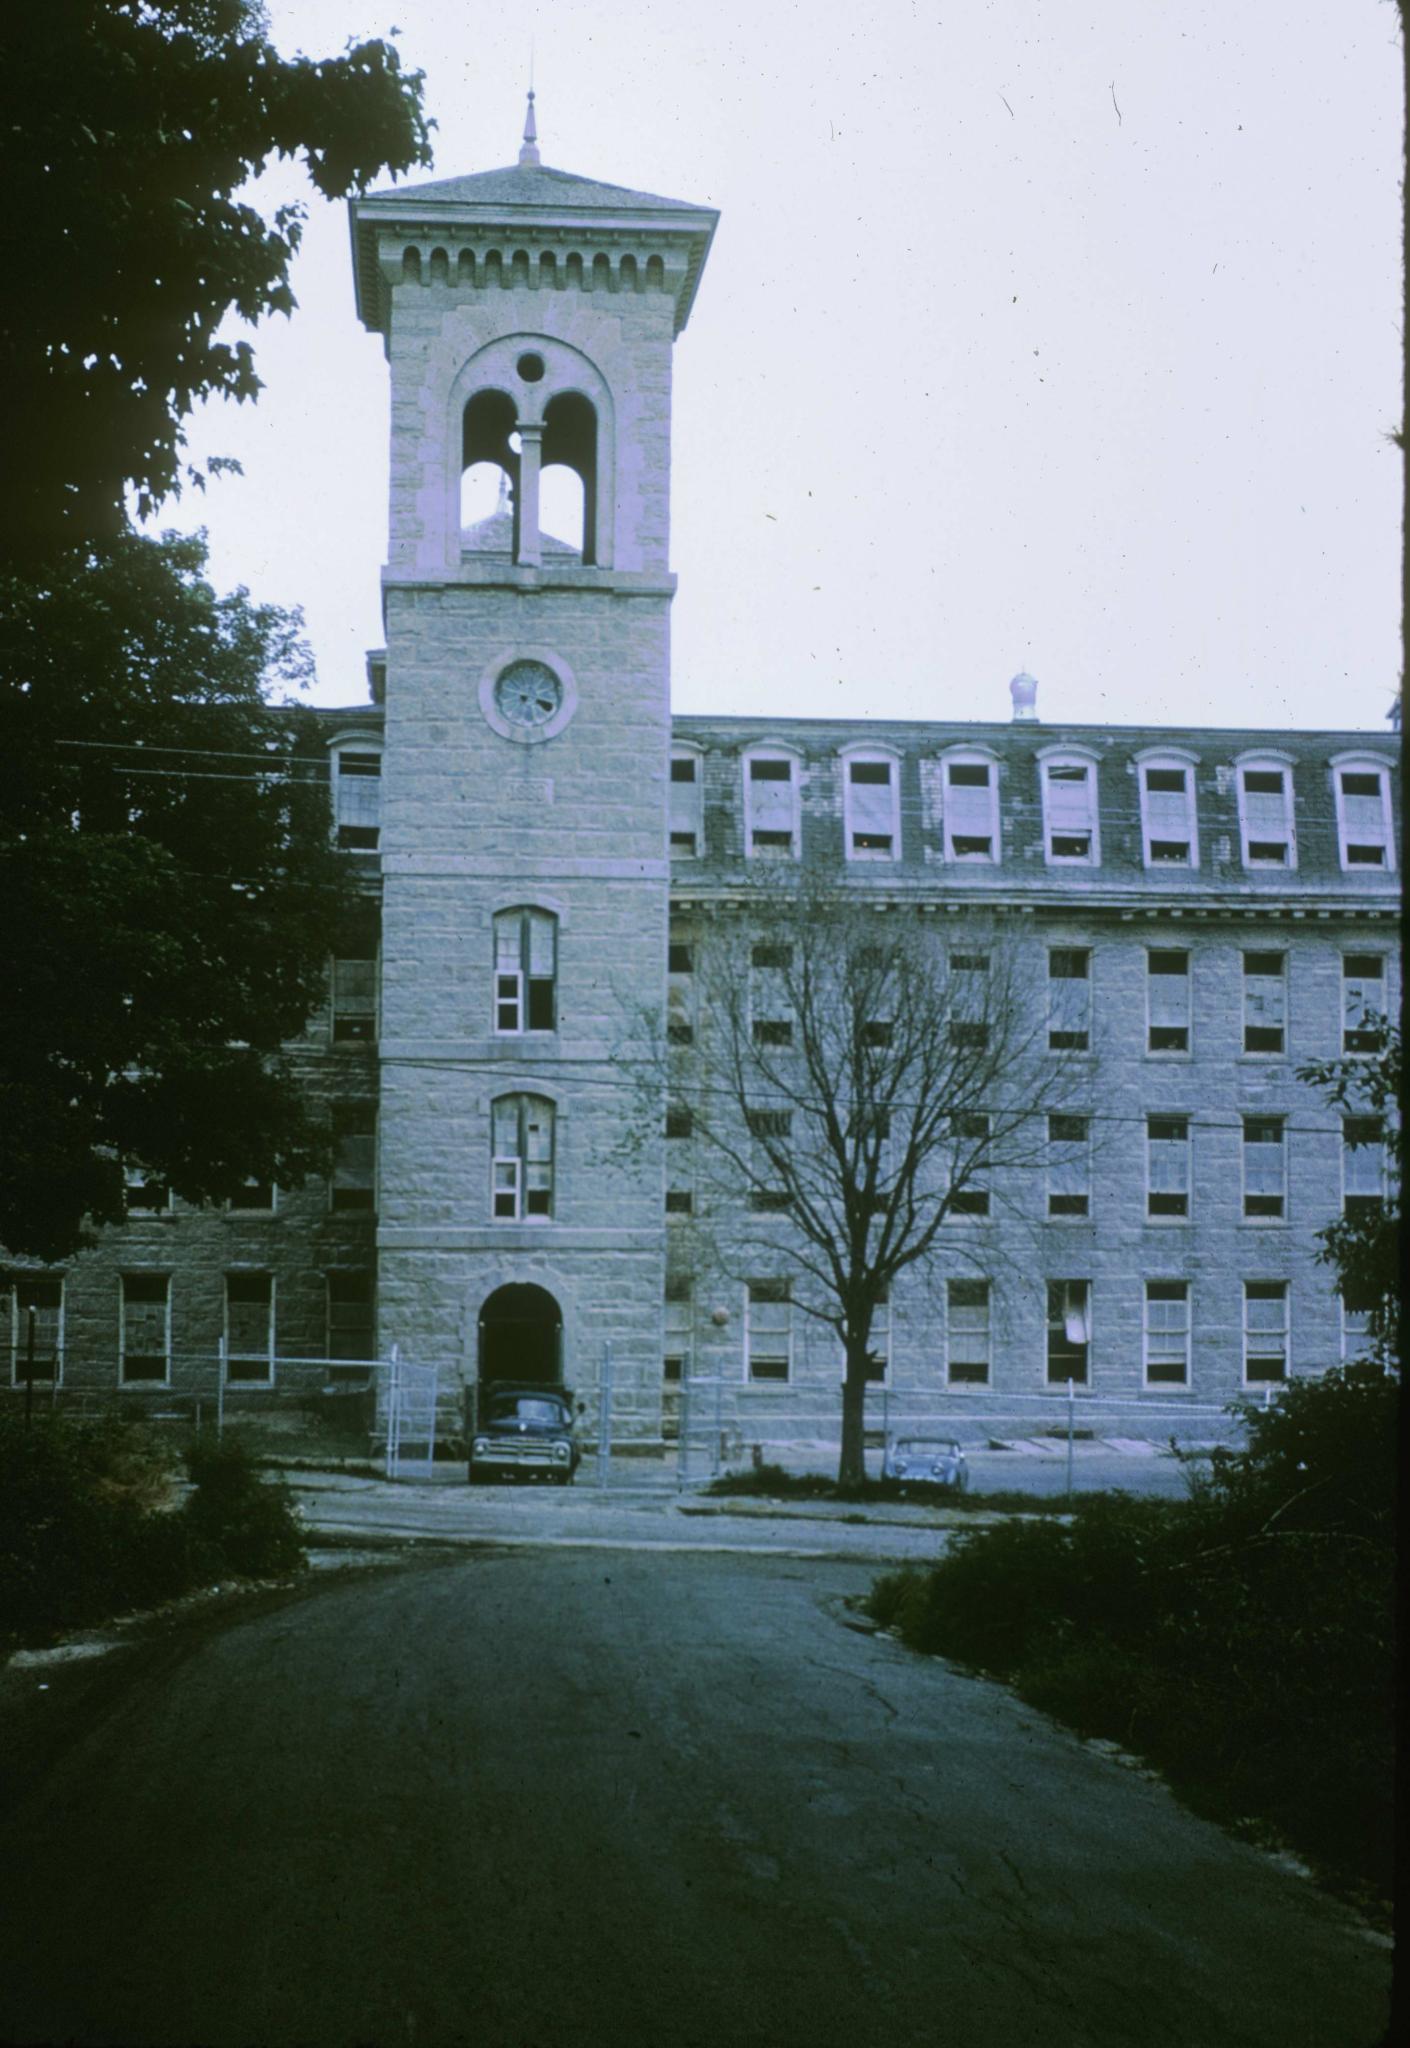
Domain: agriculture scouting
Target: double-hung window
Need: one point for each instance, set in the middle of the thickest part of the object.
(1363, 1166)
(870, 807)
(1069, 1165)
(1071, 835)
(145, 1335)
(680, 990)
(249, 1327)
(1265, 1002)
(1168, 1166)
(771, 805)
(1265, 1331)
(678, 1331)
(768, 1342)
(521, 1168)
(969, 1001)
(1167, 1333)
(770, 1001)
(33, 1302)
(357, 798)
(1265, 1168)
(354, 999)
(971, 808)
(525, 970)
(687, 805)
(354, 1156)
(1365, 830)
(969, 1193)
(351, 1316)
(967, 1332)
(1167, 999)
(1069, 1331)
(1363, 1000)
(770, 1132)
(1169, 830)
(1266, 814)
(1069, 999)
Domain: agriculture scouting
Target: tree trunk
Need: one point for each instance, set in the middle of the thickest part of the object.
(851, 1468)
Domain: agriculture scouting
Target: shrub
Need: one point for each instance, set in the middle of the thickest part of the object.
(238, 1521)
(1241, 1640)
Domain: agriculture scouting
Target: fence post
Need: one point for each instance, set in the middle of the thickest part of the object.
(604, 1418)
(717, 1457)
(220, 1366)
(393, 1412)
(1071, 1410)
(29, 1365)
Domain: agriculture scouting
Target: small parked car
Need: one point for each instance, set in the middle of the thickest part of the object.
(934, 1461)
(524, 1430)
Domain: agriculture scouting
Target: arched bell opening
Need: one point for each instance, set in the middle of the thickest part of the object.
(521, 1336)
(489, 461)
(570, 449)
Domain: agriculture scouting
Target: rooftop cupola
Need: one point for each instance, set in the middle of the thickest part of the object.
(1024, 692)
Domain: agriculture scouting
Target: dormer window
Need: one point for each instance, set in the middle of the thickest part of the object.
(971, 808)
(1365, 831)
(771, 806)
(1071, 835)
(1266, 815)
(871, 819)
(687, 805)
(357, 796)
(1169, 832)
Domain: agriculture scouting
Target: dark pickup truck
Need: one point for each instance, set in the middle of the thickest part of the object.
(523, 1429)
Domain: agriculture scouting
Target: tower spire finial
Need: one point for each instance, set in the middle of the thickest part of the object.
(529, 154)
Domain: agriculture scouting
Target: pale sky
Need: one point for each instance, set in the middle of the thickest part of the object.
(1055, 336)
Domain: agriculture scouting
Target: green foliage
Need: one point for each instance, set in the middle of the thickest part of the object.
(88, 1529)
(1242, 1640)
(1367, 1249)
(165, 915)
(244, 1523)
(129, 130)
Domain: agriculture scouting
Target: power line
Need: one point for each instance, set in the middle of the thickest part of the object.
(200, 753)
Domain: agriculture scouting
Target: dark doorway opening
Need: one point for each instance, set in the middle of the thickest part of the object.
(521, 1336)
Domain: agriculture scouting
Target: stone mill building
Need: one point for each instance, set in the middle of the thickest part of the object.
(544, 850)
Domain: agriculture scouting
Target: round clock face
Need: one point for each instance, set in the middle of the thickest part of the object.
(528, 693)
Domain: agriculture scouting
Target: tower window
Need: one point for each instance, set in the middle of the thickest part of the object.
(525, 970)
(521, 1171)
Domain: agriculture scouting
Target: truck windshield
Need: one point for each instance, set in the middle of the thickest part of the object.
(528, 1408)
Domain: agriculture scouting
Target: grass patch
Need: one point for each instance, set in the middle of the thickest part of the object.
(91, 1523)
(1241, 1641)
(772, 1482)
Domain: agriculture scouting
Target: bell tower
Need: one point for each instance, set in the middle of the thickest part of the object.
(528, 317)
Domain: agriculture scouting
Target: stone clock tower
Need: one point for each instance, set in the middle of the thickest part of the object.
(528, 318)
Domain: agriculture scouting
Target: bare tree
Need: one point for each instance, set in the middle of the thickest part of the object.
(866, 1077)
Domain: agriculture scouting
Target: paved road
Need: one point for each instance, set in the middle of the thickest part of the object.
(564, 1797)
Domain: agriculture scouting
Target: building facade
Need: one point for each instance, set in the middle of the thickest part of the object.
(545, 852)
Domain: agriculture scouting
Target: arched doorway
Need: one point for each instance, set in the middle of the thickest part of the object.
(521, 1336)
